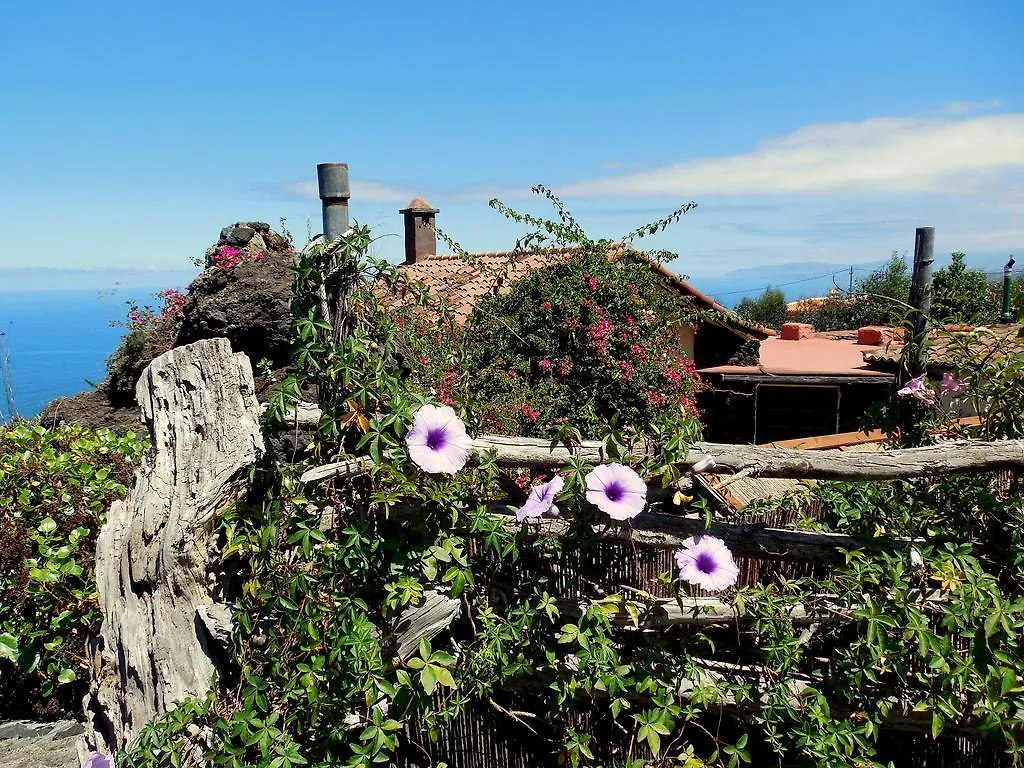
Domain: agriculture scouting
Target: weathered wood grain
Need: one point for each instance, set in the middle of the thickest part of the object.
(153, 553)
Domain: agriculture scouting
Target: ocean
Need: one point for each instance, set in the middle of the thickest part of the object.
(59, 342)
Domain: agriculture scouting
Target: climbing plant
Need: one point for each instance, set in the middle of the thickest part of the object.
(554, 634)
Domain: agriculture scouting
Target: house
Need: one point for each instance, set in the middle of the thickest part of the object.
(802, 384)
(461, 281)
(952, 345)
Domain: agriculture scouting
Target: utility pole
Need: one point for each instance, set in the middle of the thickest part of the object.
(915, 358)
(1007, 315)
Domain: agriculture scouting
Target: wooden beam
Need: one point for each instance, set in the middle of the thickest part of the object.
(942, 459)
(662, 531)
(784, 379)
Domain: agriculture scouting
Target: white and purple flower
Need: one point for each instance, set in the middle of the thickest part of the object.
(98, 760)
(617, 490)
(706, 562)
(541, 500)
(438, 441)
(950, 385)
(917, 389)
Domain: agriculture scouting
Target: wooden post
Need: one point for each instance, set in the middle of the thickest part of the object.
(915, 361)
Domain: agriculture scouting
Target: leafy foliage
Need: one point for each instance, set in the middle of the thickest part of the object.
(149, 332)
(55, 488)
(961, 295)
(562, 650)
(878, 299)
(768, 309)
(579, 344)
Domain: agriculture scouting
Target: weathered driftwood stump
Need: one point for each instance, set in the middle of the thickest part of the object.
(152, 555)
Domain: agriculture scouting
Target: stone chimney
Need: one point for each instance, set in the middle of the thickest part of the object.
(420, 237)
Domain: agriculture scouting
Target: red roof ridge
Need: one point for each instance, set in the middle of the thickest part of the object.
(518, 257)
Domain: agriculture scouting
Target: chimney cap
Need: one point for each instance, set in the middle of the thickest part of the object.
(419, 205)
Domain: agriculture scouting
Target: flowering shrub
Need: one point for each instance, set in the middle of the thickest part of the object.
(229, 257)
(148, 332)
(55, 487)
(576, 344)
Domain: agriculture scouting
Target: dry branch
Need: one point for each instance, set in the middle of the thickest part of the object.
(757, 461)
(661, 531)
(942, 459)
(697, 611)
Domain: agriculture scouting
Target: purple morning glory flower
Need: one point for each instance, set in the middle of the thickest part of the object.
(916, 388)
(706, 562)
(98, 760)
(616, 490)
(950, 384)
(541, 499)
(438, 441)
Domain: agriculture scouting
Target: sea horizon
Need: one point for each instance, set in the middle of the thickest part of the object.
(59, 341)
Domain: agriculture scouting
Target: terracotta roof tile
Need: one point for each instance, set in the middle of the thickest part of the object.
(462, 284)
(943, 347)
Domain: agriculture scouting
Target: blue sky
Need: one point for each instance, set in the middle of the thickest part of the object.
(130, 133)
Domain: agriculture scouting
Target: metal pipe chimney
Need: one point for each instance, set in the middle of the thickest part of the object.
(332, 179)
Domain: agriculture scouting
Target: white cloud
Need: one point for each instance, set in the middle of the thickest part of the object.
(363, 190)
(970, 107)
(877, 156)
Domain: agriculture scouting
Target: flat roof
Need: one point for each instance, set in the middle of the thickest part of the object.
(814, 356)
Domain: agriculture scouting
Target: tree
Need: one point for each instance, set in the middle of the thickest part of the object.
(878, 299)
(768, 309)
(962, 295)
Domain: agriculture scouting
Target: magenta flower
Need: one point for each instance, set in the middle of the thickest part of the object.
(916, 388)
(616, 490)
(438, 441)
(98, 760)
(950, 384)
(541, 500)
(706, 562)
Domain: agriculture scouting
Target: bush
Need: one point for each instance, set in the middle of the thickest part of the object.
(961, 295)
(769, 309)
(149, 333)
(879, 299)
(55, 488)
(570, 347)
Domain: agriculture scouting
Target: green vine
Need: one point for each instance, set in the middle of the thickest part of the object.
(557, 638)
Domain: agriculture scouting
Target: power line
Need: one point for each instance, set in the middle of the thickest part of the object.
(783, 285)
(820, 277)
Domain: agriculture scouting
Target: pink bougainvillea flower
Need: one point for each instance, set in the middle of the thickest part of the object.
(438, 441)
(950, 384)
(98, 760)
(706, 562)
(616, 490)
(916, 388)
(541, 500)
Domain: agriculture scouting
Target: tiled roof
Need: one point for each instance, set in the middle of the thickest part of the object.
(462, 283)
(945, 348)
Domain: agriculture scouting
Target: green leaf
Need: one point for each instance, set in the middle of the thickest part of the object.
(67, 676)
(428, 679)
(444, 677)
(937, 723)
(654, 741)
(8, 647)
